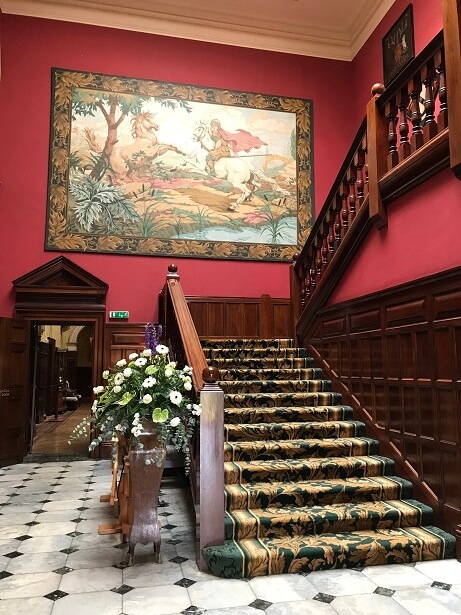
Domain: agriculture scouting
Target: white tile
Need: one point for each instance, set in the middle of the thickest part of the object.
(91, 580)
(58, 516)
(58, 528)
(26, 606)
(162, 600)
(301, 585)
(37, 562)
(244, 610)
(151, 575)
(93, 541)
(95, 558)
(221, 593)
(428, 600)
(274, 589)
(342, 582)
(397, 576)
(44, 544)
(63, 505)
(370, 604)
(92, 525)
(8, 546)
(306, 607)
(456, 589)
(190, 571)
(29, 585)
(91, 603)
(13, 531)
(444, 571)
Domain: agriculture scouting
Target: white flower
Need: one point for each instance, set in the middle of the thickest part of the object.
(97, 390)
(118, 378)
(149, 382)
(161, 349)
(105, 374)
(172, 364)
(121, 363)
(168, 372)
(175, 397)
(127, 372)
(94, 407)
(197, 412)
(133, 356)
(117, 389)
(175, 421)
(187, 369)
(140, 362)
(187, 385)
(147, 352)
(147, 399)
(197, 407)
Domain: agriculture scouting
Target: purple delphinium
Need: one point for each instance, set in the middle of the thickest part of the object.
(152, 335)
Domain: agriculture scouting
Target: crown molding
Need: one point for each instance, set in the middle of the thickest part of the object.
(317, 43)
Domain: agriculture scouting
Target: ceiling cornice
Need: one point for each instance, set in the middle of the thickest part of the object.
(319, 43)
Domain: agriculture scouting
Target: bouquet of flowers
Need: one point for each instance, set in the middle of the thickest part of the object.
(148, 385)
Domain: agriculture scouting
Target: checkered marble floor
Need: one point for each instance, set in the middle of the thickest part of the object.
(52, 561)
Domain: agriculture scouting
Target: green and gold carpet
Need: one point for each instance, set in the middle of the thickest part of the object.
(305, 489)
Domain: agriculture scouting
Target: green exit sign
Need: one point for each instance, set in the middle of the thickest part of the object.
(119, 314)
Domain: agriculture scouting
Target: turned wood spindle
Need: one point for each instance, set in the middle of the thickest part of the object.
(337, 218)
(352, 179)
(414, 114)
(325, 231)
(428, 77)
(404, 129)
(331, 232)
(345, 204)
(360, 183)
(442, 117)
(390, 112)
(313, 277)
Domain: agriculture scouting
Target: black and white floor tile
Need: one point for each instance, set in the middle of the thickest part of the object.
(54, 562)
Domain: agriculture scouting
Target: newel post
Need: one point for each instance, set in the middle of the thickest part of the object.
(210, 524)
(295, 297)
(451, 13)
(377, 146)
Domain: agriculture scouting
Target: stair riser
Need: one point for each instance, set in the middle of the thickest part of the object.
(238, 416)
(247, 343)
(330, 495)
(258, 387)
(252, 353)
(264, 363)
(293, 431)
(280, 399)
(271, 374)
(234, 475)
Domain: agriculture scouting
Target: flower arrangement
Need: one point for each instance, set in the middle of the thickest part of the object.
(148, 385)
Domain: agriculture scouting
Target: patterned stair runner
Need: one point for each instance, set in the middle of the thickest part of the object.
(305, 489)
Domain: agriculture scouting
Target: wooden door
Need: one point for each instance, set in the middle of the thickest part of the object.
(14, 371)
(42, 390)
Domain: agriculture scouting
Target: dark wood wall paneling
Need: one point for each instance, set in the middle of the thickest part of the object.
(396, 357)
(241, 317)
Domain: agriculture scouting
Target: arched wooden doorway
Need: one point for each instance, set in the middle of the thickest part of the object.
(61, 292)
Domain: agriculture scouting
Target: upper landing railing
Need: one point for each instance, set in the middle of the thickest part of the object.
(402, 141)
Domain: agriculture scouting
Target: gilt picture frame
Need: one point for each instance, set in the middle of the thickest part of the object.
(398, 46)
(145, 167)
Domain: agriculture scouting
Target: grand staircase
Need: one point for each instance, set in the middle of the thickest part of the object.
(305, 489)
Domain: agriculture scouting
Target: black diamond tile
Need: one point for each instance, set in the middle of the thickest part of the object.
(193, 610)
(162, 504)
(174, 541)
(260, 604)
(304, 573)
(63, 570)
(410, 564)
(83, 508)
(32, 523)
(21, 487)
(165, 514)
(45, 501)
(26, 480)
(168, 526)
(76, 520)
(23, 537)
(13, 554)
(185, 582)
(122, 589)
(74, 534)
(69, 550)
(178, 559)
(324, 598)
(121, 565)
(56, 595)
(441, 585)
(13, 495)
(5, 575)
(50, 492)
(38, 512)
(121, 545)
(383, 591)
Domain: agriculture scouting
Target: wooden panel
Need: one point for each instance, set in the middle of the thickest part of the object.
(396, 355)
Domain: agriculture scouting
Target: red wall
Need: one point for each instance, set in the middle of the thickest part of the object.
(30, 47)
(421, 234)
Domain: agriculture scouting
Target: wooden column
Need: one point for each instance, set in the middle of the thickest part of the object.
(451, 12)
(296, 293)
(377, 134)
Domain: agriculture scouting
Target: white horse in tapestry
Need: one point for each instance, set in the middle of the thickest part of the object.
(237, 171)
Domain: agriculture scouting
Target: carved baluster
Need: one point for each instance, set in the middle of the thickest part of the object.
(331, 232)
(302, 276)
(307, 286)
(352, 179)
(345, 205)
(428, 77)
(442, 118)
(414, 115)
(318, 256)
(360, 184)
(337, 224)
(390, 111)
(402, 104)
(365, 164)
(325, 231)
(312, 272)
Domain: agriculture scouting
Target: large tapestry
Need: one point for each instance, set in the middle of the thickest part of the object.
(149, 167)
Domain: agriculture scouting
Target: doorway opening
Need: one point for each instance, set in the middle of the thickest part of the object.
(62, 382)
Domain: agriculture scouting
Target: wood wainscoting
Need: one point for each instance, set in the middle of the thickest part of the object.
(241, 317)
(396, 357)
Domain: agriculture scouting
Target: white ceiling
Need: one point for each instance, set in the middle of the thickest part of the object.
(334, 29)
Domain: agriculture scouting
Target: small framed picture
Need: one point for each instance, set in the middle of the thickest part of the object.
(398, 45)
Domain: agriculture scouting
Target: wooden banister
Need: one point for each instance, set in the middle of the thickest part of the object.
(451, 13)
